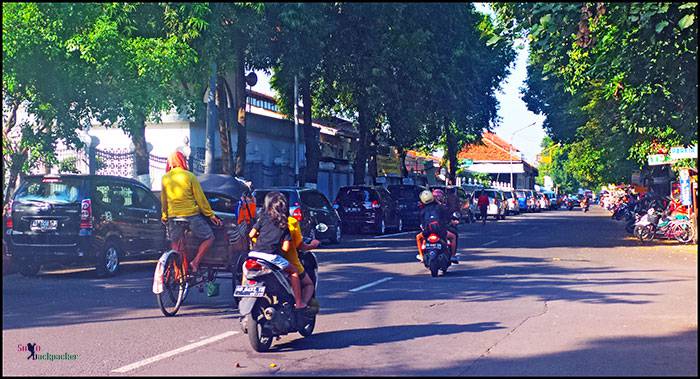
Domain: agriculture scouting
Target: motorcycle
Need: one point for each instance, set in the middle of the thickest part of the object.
(570, 204)
(584, 205)
(267, 304)
(436, 251)
(653, 225)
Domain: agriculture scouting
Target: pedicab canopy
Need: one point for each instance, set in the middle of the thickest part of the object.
(227, 185)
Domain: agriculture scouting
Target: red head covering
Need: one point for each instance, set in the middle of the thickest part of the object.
(176, 159)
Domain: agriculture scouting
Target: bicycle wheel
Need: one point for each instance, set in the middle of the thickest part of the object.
(682, 233)
(174, 286)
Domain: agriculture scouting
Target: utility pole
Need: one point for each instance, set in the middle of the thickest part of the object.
(211, 123)
(510, 151)
(297, 180)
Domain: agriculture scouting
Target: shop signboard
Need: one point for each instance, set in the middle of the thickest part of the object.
(464, 163)
(681, 152)
(659, 159)
(387, 165)
(684, 179)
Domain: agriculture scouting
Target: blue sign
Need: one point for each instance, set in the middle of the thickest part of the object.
(684, 181)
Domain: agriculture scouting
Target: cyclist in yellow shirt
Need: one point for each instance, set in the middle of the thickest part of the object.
(182, 196)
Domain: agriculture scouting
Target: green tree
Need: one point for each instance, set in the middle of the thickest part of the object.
(137, 51)
(300, 35)
(619, 68)
(38, 62)
(470, 60)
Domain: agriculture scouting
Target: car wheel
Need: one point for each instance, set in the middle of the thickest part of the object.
(29, 269)
(381, 229)
(338, 235)
(108, 260)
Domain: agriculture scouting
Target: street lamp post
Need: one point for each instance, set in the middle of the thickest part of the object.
(510, 151)
(296, 136)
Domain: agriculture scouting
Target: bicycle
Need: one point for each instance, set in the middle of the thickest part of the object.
(177, 279)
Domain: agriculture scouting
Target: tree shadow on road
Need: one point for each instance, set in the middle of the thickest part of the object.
(340, 339)
(673, 354)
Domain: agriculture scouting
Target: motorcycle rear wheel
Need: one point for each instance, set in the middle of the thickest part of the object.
(434, 268)
(255, 322)
(647, 233)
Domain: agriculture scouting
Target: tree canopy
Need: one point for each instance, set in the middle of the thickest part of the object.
(617, 81)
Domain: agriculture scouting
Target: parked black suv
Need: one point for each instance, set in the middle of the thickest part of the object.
(409, 202)
(82, 219)
(366, 207)
(311, 208)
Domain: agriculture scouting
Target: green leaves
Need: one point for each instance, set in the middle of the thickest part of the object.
(686, 21)
(661, 25)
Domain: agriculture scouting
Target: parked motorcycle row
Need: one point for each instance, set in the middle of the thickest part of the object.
(650, 217)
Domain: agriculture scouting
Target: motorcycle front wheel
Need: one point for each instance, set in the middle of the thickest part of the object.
(683, 234)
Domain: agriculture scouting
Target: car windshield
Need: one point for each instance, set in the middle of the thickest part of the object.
(260, 198)
(405, 192)
(491, 194)
(49, 190)
(356, 194)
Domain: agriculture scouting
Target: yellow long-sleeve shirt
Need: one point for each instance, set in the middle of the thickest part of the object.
(182, 195)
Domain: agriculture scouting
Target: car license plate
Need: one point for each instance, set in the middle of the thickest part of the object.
(44, 225)
(249, 291)
(353, 210)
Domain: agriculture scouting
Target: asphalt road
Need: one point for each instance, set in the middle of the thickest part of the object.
(554, 293)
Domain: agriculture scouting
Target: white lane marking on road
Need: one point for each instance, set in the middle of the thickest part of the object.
(517, 234)
(489, 243)
(371, 284)
(173, 352)
(392, 235)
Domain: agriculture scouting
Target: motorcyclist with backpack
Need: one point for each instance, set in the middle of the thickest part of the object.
(435, 218)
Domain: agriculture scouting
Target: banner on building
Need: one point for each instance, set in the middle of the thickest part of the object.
(660, 159)
(684, 179)
(681, 152)
(388, 165)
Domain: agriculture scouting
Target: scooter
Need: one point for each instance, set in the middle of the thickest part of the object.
(436, 250)
(267, 304)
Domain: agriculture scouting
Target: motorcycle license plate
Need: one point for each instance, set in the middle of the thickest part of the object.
(433, 246)
(249, 291)
(44, 225)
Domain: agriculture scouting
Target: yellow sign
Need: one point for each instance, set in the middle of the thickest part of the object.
(388, 165)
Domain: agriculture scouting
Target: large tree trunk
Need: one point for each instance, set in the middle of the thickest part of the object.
(313, 150)
(18, 160)
(141, 159)
(240, 104)
(402, 159)
(224, 125)
(372, 162)
(361, 155)
(451, 153)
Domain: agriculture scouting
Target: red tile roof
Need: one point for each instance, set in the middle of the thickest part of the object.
(491, 148)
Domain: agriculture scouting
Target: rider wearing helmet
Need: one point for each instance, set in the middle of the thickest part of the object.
(434, 209)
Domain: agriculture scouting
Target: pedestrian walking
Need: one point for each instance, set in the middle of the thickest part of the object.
(483, 204)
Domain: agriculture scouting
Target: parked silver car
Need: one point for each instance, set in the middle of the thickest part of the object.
(497, 203)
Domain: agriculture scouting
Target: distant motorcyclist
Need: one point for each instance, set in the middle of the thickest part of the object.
(435, 218)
